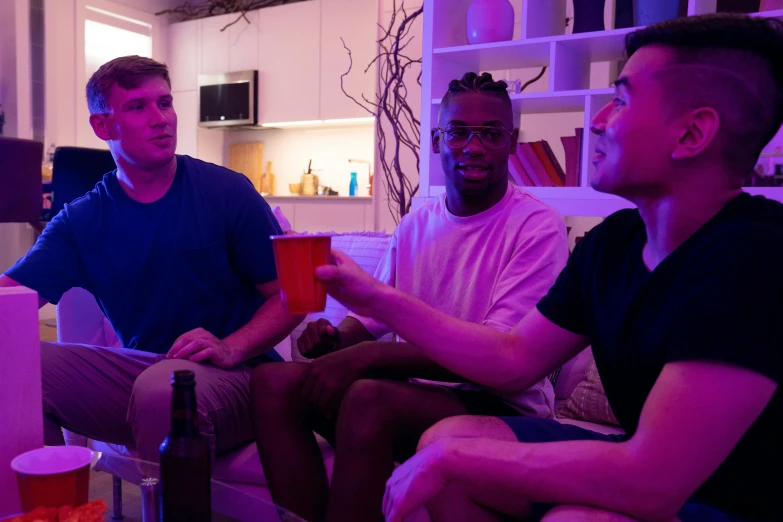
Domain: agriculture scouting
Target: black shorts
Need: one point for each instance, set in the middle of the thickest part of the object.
(479, 402)
(547, 430)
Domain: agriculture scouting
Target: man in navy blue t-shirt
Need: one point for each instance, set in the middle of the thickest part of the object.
(177, 253)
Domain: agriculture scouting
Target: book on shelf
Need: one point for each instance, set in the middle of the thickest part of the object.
(553, 161)
(535, 164)
(538, 148)
(573, 157)
(518, 172)
(579, 131)
(532, 163)
(528, 167)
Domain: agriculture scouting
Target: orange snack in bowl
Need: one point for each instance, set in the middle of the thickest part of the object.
(89, 512)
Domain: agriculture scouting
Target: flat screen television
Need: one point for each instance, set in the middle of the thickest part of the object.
(227, 100)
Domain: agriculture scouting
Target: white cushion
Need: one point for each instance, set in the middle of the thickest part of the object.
(367, 250)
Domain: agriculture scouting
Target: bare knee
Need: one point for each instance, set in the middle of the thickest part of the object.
(273, 386)
(366, 411)
(467, 426)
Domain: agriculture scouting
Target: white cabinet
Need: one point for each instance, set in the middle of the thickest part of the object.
(243, 43)
(324, 214)
(215, 44)
(288, 65)
(186, 106)
(355, 21)
(183, 55)
(297, 50)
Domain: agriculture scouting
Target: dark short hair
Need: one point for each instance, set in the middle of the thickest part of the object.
(474, 83)
(737, 70)
(128, 72)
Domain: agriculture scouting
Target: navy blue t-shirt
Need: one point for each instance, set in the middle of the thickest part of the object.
(157, 270)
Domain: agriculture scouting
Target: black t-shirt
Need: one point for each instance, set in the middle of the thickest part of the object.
(718, 296)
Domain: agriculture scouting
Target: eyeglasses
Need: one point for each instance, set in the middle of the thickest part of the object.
(491, 137)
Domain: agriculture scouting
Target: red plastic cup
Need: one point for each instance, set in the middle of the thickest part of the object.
(54, 476)
(296, 257)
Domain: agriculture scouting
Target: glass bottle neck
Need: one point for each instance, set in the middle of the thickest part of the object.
(184, 415)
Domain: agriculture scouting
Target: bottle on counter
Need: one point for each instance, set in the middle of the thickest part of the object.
(267, 187)
(185, 467)
(354, 186)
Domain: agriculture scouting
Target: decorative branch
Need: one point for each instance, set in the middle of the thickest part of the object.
(391, 109)
(207, 8)
(391, 106)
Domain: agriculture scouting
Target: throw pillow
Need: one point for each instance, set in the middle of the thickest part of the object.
(588, 402)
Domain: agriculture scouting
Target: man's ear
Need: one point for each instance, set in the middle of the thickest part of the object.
(699, 131)
(100, 126)
(514, 140)
(435, 138)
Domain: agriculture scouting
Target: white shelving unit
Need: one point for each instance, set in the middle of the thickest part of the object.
(542, 43)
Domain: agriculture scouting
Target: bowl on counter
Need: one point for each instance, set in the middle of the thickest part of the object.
(295, 188)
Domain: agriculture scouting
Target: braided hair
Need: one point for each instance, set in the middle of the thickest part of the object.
(474, 83)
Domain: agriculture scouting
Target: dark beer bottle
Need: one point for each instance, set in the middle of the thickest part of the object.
(184, 458)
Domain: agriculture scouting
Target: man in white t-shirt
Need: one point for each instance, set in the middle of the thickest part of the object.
(484, 252)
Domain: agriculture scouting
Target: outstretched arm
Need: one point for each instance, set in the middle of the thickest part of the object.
(649, 477)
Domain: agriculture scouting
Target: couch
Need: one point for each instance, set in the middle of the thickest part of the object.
(81, 321)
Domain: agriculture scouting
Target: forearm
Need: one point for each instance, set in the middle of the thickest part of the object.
(460, 346)
(605, 475)
(403, 361)
(269, 325)
(353, 332)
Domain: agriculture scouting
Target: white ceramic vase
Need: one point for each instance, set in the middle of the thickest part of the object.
(490, 21)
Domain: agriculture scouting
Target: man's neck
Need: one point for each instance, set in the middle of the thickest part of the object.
(146, 186)
(466, 207)
(670, 220)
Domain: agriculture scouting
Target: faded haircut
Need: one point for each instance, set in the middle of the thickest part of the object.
(731, 63)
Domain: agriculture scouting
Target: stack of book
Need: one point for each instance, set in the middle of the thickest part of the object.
(535, 165)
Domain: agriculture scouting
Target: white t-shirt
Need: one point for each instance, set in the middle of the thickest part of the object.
(491, 269)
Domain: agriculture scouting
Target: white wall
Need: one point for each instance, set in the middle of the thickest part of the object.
(15, 239)
(65, 98)
(15, 82)
(289, 150)
(385, 219)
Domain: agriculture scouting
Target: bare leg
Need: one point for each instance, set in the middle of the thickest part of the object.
(458, 504)
(283, 423)
(379, 421)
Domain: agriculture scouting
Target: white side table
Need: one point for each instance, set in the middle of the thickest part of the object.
(21, 416)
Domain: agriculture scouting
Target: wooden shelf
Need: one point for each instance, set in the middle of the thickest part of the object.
(517, 54)
(548, 102)
(594, 46)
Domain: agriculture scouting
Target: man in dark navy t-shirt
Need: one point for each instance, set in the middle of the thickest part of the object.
(679, 299)
(177, 253)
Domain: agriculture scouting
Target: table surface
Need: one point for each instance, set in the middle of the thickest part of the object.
(247, 508)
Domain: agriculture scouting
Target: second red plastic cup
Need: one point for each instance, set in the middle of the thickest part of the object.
(53, 476)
